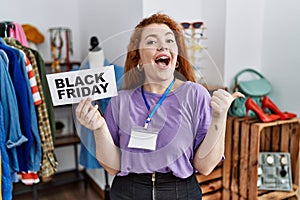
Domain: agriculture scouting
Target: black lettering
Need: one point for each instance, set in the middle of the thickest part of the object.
(104, 87)
(99, 76)
(68, 83)
(78, 81)
(85, 91)
(87, 81)
(59, 83)
(70, 93)
(60, 93)
(78, 92)
(96, 90)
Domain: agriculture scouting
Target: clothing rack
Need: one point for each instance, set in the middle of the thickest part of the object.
(16, 57)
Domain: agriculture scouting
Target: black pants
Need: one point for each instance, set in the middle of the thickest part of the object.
(166, 187)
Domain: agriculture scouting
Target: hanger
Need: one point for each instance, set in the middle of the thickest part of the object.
(4, 28)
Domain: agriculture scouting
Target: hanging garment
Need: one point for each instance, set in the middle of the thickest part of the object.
(32, 81)
(46, 90)
(16, 64)
(5, 183)
(31, 74)
(35, 153)
(0, 162)
(18, 33)
(14, 136)
(45, 113)
(49, 161)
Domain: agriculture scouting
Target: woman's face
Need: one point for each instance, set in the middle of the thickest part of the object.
(158, 52)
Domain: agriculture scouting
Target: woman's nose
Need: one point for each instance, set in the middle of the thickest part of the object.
(162, 48)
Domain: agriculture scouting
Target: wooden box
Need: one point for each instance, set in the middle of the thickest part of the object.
(244, 141)
(211, 185)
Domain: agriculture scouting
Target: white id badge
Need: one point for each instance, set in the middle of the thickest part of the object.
(143, 138)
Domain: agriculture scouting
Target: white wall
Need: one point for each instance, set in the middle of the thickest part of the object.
(265, 35)
(87, 18)
(188, 10)
(212, 13)
(244, 21)
(44, 15)
(280, 52)
(112, 22)
(214, 16)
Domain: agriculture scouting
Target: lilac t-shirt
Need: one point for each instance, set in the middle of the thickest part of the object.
(182, 120)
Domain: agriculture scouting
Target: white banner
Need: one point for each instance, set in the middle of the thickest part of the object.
(71, 87)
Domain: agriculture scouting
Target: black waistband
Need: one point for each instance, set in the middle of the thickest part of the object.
(158, 176)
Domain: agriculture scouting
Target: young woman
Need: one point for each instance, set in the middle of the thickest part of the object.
(162, 127)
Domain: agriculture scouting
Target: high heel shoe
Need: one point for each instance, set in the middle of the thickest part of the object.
(251, 105)
(267, 103)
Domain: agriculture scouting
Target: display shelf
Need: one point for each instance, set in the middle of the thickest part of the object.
(60, 178)
(66, 140)
(267, 195)
(64, 67)
(243, 143)
(211, 185)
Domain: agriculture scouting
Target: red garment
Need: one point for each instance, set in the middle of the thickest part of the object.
(33, 84)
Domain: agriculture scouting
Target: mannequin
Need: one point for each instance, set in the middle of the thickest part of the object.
(96, 54)
(87, 152)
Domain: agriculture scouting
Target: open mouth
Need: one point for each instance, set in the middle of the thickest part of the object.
(163, 60)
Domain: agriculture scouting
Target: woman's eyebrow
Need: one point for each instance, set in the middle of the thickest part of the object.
(151, 35)
(155, 35)
(169, 33)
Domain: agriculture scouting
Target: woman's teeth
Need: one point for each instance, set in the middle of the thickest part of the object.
(163, 59)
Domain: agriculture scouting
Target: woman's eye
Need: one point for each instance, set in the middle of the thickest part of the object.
(151, 42)
(170, 40)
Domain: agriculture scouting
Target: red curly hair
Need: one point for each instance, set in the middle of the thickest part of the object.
(134, 77)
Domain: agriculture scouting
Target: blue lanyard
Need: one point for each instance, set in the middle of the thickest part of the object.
(162, 98)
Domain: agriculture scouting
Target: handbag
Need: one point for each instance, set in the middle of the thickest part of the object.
(255, 88)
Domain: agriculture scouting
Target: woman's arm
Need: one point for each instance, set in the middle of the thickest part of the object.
(107, 153)
(211, 150)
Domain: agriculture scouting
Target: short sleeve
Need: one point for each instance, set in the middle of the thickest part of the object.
(110, 117)
(202, 116)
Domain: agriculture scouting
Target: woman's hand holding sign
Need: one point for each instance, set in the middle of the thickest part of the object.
(88, 115)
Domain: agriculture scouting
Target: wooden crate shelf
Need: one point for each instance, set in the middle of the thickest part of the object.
(267, 195)
(243, 143)
(211, 185)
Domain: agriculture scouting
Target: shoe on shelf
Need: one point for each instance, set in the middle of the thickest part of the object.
(26, 178)
(264, 117)
(35, 177)
(29, 178)
(268, 103)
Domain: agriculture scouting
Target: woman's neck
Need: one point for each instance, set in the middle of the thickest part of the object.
(159, 88)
